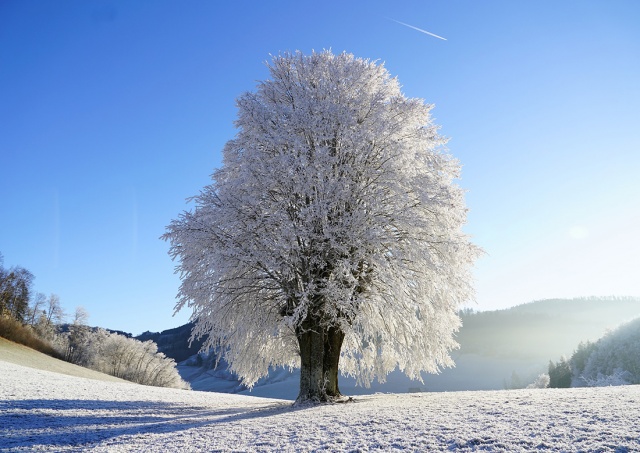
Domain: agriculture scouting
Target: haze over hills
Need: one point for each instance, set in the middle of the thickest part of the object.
(545, 328)
(498, 349)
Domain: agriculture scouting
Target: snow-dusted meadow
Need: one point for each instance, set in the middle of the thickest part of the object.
(46, 411)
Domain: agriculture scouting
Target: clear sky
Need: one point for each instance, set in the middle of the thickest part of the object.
(113, 113)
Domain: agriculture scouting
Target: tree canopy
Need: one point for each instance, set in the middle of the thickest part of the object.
(15, 291)
(331, 236)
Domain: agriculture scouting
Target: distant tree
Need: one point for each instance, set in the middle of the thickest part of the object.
(48, 323)
(580, 357)
(55, 313)
(560, 374)
(77, 338)
(466, 311)
(515, 382)
(15, 292)
(80, 316)
(331, 238)
(541, 382)
(133, 360)
(36, 309)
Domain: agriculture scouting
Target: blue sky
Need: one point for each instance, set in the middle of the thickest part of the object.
(113, 113)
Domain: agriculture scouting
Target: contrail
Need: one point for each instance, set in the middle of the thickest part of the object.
(419, 29)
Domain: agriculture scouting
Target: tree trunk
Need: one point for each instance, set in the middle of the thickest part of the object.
(319, 357)
(332, 346)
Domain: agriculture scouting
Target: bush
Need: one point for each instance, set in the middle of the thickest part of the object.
(541, 382)
(120, 356)
(99, 350)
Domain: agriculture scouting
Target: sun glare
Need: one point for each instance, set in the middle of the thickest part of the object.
(578, 232)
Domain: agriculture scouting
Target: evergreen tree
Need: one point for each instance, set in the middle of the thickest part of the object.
(560, 374)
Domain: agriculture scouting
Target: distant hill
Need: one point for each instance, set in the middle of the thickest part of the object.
(612, 360)
(500, 348)
(543, 329)
(174, 342)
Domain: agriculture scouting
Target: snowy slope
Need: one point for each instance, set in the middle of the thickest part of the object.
(22, 355)
(45, 411)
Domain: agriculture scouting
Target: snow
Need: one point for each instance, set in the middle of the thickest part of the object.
(46, 411)
(472, 372)
(22, 355)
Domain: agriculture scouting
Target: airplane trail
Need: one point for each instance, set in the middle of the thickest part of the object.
(419, 29)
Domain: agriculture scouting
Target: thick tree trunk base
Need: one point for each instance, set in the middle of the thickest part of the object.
(319, 358)
(329, 400)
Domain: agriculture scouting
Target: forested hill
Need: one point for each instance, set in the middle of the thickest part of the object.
(174, 342)
(496, 346)
(546, 328)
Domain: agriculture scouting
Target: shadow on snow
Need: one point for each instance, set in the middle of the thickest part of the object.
(77, 423)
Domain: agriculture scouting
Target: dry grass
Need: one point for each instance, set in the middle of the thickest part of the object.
(14, 331)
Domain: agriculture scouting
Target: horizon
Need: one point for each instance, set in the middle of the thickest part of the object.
(115, 113)
(462, 312)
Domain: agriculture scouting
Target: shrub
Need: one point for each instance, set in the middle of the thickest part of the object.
(541, 382)
(123, 357)
(15, 331)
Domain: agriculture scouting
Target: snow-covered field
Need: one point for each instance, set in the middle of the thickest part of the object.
(46, 411)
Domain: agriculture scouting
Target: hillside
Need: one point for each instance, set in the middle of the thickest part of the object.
(21, 355)
(543, 329)
(45, 411)
(174, 342)
(501, 348)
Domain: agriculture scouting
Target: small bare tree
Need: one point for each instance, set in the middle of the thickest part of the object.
(55, 313)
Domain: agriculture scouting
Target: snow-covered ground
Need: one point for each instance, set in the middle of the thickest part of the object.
(46, 411)
(22, 355)
(472, 372)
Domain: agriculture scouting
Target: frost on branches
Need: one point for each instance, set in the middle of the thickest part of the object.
(331, 237)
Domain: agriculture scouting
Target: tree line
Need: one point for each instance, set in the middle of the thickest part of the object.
(118, 355)
(39, 322)
(614, 359)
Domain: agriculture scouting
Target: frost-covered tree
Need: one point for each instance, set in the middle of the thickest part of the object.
(36, 308)
(80, 316)
(126, 358)
(541, 382)
(614, 359)
(54, 312)
(47, 324)
(77, 339)
(331, 237)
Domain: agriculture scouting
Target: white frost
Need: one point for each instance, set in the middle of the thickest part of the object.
(336, 203)
(44, 411)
